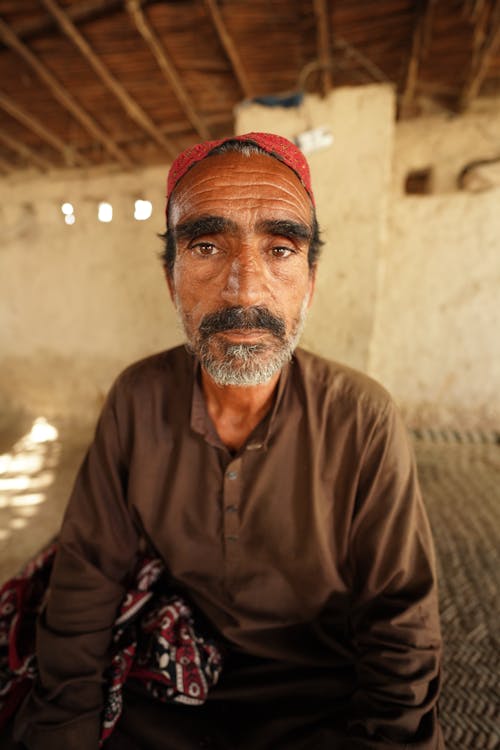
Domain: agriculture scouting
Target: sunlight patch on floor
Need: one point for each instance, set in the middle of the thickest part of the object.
(25, 474)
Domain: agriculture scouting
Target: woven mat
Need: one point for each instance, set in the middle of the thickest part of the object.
(461, 487)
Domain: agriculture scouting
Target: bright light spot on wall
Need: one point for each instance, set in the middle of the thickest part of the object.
(27, 511)
(21, 482)
(105, 212)
(15, 484)
(17, 523)
(25, 474)
(22, 463)
(42, 431)
(143, 210)
(22, 501)
(69, 213)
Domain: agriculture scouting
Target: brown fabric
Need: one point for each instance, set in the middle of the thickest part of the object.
(308, 551)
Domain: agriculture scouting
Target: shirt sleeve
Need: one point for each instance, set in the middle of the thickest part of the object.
(394, 618)
(96, 549)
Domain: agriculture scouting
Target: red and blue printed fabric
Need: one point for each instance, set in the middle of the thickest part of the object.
(154, 641)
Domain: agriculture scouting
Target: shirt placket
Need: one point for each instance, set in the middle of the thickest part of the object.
(231, 502)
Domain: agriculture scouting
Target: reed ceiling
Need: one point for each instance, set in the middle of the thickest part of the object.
(125, 83)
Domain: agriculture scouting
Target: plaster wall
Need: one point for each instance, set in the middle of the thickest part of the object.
(78, 302)
(436, 333)
(446, 142)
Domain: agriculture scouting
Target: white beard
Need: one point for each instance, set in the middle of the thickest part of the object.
(244, 364)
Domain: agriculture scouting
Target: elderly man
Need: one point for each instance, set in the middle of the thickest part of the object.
(277, 488)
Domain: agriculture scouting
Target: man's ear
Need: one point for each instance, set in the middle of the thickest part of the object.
(170, 283)
(312, 286)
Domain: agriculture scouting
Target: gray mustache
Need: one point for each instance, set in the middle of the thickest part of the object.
(231, 318)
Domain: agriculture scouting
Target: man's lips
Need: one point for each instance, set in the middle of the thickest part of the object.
(245, 333)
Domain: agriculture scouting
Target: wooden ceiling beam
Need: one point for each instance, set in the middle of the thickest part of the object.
(71, 157)
(63, 96)
(77, 12)
(355, 54)
(321, 11)
(27, 153)
(422, 29)
(229, 47)
(133, 110)
(486, 45)
(474, 8)
(179, 127)
(166, 66)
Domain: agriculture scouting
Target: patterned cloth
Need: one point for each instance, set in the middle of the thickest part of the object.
(275, 145)
(154, 641)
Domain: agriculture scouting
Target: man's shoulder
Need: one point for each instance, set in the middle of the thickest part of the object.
(338, 384)
(170, 367)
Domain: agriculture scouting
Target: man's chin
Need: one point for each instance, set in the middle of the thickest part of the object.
(242, 351)
(244, 364)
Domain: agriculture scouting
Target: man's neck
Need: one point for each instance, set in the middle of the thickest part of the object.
(237, 410)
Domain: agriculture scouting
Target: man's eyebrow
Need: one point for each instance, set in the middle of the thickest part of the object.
(193, 228)
(285, 228)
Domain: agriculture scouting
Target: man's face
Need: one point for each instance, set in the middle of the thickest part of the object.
(241, 280)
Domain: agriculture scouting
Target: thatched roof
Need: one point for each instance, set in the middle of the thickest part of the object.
(125, 82)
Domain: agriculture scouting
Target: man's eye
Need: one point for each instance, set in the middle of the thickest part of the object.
(281, 252)
(204, 248)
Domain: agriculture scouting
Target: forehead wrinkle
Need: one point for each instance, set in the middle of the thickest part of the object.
(204, 187)
(258, 179)
(281, 192)
(288, 176)
(250, 202)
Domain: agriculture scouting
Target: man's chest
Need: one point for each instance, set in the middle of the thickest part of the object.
(263, 533)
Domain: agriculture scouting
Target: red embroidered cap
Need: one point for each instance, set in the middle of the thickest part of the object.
(275, 145)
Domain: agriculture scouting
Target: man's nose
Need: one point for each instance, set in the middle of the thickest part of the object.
(246, 281)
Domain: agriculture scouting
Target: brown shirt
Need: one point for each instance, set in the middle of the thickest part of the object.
(310, 546)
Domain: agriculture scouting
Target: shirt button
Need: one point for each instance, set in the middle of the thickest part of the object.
(254, 446)
(232, 475)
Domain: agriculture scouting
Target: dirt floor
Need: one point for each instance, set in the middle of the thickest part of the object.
(461, 485)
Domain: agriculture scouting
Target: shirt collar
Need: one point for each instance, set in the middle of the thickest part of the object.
(203, 425)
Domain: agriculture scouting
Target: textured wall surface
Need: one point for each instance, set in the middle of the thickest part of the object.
(436, 335)
(435, 344)
(78, 302)
(446, 143)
